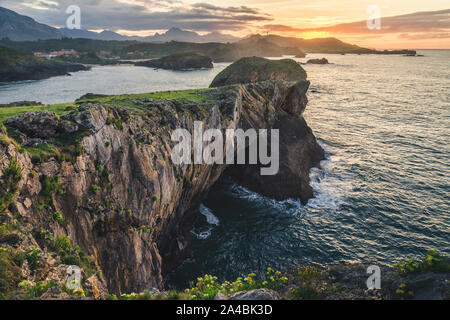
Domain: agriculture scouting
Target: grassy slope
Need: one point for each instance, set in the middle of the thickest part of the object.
(125, 100)
(11, 58)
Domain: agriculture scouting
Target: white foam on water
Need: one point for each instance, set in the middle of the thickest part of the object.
(203, 233)
(209, 215)
(289, 205)
(329, 190)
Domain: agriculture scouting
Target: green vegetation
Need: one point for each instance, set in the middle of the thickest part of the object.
(15, 66)
(10, 272)
(94, 189)
(73, 255)
(9, 187)
(33, 257)
(50, 186)
(254, 69)
(58, 109)
(207, 286)
(129, 100)
(433, 261)
(180, 61)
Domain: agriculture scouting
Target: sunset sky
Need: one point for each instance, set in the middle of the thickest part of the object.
(404, 23)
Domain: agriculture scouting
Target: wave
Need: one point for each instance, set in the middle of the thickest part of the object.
(204, 232)
(330, 189)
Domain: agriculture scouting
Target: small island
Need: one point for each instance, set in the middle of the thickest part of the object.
(254, 69)
(180, 61)
(318, 61)
(18, 66)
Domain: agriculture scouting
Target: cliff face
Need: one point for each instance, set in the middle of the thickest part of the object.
(125, 203)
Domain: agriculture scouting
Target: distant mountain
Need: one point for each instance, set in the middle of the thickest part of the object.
(176, 34)
(318, 45)
(105, 35)
(22, 28)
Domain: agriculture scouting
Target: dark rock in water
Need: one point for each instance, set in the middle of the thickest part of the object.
(40, 125)
(255, 69)
(182, 61)
(318, 61)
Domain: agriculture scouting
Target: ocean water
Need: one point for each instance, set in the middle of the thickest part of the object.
(383, 194)
(113, 80)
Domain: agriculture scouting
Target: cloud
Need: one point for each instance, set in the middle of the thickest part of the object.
(429, 24)
(137, 15)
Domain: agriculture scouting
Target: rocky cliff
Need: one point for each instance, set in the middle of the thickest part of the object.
(111, 186)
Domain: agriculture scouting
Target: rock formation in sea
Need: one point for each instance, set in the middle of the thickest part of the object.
(254, 69)
(181, 61)
(318, 61)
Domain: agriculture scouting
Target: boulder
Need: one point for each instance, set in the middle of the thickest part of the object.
(42, 125)
(255, 69)
(257, 294)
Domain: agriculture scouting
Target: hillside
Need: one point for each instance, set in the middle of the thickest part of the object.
(17, 66)
(22, 28)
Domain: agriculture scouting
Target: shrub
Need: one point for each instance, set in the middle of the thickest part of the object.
(9, 273)
(50, 186)
(9, 188)
(72, 255)
(94, 189)
(33, 258)
(432, 261)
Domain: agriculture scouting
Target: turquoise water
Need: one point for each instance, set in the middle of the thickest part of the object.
(383, 193)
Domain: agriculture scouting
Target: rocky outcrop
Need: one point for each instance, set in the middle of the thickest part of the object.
(257, 294)
(182, 61)
(123, 201)
(40, 125)
(254, 69)
(318, 61)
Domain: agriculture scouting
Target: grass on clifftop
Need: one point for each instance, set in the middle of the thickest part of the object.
(125, 100)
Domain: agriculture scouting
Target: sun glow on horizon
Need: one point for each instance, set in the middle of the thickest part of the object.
(314, 35)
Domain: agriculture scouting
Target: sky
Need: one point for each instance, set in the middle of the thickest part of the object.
(414, 24)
